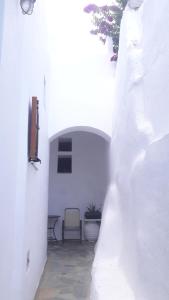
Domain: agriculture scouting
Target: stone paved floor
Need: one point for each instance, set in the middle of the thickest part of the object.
(67, 272)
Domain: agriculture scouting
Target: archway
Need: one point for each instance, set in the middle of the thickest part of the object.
(78, 174)
(93, 130)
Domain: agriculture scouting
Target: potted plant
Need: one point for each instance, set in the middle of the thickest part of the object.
(92, 212)
(92, 222)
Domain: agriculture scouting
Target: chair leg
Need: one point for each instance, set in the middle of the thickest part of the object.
(63, 232)
(80, 231)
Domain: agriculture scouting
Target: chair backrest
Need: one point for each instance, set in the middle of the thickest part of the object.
(72, 217)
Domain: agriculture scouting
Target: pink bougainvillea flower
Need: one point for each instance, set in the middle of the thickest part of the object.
(90, 8)
(110, 18)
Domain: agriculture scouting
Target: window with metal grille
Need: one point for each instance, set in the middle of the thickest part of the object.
(64, 164)
(65, 144)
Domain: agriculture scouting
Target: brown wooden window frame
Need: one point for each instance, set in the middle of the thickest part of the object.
(34, 131)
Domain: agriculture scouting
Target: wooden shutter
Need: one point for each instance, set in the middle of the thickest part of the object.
(33, 149)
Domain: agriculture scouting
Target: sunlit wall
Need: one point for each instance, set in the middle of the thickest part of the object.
(132, 253)
(82, 79)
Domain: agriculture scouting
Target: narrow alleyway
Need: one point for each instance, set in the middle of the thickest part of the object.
(67, 274)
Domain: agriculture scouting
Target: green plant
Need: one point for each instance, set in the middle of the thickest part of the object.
(92, 212)
(106, 20)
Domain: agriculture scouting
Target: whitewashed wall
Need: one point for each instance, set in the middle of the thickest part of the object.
(89, 178)
(23, 189)
(81, 72)
(137, 205)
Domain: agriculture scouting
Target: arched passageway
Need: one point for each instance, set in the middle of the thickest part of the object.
(78, 175)
(88, 129)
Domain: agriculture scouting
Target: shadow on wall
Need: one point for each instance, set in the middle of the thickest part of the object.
(133, 244)
(108, 276)
(151, 209)
(146, 276)
(85, 179)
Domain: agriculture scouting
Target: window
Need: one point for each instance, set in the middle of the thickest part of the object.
(34, 131)
(65, 144)
(64, 164)
(64, 160)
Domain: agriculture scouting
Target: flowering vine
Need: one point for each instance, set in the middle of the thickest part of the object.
(106, 20)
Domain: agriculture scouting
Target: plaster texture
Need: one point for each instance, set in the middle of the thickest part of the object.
(132, 253)
(23, 188)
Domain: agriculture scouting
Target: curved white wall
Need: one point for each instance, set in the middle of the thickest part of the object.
(87, 129)
(137, 205)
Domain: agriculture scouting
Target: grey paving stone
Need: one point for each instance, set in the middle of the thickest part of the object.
(67, 274)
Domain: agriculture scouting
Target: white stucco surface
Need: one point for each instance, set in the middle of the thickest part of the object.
(81, 72)
(23, 190)
(88, 181)
(133, 262)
